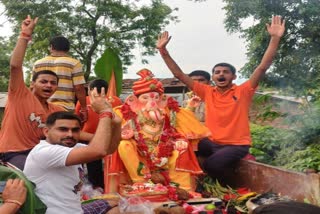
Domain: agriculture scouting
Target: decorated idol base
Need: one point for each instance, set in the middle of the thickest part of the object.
(157, 192)
(143, 189)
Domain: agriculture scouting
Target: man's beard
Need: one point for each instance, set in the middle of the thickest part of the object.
(68, 143)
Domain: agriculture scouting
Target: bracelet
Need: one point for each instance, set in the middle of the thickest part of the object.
(13, 201)
(25, 36)
(163, 52)
(108, 114)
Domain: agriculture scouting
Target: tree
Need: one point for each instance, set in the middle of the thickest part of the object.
(5, 49)
(297, 64)
(296, 68)
(93, 26)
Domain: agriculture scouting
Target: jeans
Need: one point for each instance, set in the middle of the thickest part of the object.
(219, 158)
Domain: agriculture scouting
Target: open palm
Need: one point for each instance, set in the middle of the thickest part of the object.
(163, 40)
(277, 26)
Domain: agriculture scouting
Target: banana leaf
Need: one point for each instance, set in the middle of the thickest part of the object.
(107, 64)
(32, 205)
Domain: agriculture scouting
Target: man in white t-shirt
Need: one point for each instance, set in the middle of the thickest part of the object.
(54, 165)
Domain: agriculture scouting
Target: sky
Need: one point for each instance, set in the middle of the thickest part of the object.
(199, 40)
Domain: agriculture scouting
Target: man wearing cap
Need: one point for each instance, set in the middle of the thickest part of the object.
(156, 136)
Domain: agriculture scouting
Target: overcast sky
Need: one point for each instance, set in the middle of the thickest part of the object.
(199, 40)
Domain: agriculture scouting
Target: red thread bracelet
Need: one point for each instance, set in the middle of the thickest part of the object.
(25, 36)
(108, 114)
(163, 52)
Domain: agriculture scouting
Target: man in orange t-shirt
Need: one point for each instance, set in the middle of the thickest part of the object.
(26, 110)
(95, 172)
(227, 105)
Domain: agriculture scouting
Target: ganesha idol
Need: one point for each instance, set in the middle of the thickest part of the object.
(158, 137)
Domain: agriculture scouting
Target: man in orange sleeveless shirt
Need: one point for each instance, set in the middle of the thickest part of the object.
(227, 105)
(26, 110)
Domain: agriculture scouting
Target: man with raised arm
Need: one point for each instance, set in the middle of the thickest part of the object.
(95, 168)
(26, 110)
(54, 165)
(227, 105)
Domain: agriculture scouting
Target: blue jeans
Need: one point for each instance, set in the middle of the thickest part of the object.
(219, 158)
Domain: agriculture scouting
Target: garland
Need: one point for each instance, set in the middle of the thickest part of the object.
(166, 139)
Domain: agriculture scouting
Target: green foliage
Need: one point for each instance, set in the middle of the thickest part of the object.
(267, 142)
(307, 125)
(4, 63)
(304, 151)
(110, 62)
(295, 70)
(93, 26)
(308, 158)
(297, 65)
(264, 109)
(296, 148)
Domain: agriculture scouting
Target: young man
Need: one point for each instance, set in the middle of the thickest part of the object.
(200, 76)
(69, 71)
(54, 165)
(193, 102)
(227, 105)
(95, 168)
(26, 111)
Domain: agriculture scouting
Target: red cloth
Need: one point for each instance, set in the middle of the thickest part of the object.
(146, 83)
(187, 161)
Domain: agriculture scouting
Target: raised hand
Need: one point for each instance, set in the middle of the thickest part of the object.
(98, 101)
(277, 26)
(163, 40)
(194, 101)
(28, 25)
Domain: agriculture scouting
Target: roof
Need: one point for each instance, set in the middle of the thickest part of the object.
(275, 95)
(167, 82)
(171, 85)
